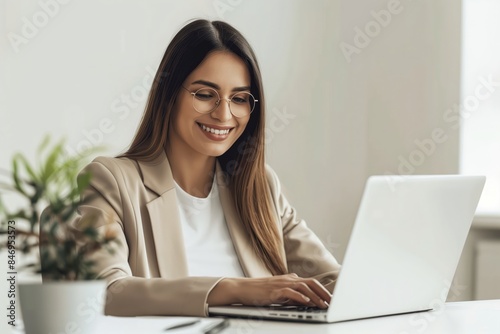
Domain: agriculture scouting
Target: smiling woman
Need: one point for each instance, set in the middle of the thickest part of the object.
(201, 218)
(204, 116)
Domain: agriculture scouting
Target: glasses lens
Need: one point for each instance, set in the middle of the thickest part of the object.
(205, 100)
(242, 104)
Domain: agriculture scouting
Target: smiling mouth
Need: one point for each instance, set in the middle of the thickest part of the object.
(220, 132)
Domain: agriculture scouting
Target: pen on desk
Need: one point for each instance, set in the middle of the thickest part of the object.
(214, 329)
(183, 324)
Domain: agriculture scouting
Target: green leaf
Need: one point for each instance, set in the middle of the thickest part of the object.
(20, 214)
(16, 179)
(50, 166)
(55, 179)
(27, 166)
(84, 181)
(43, 145)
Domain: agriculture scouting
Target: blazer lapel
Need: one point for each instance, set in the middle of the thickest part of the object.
(167, 231)
(250, 263)
(164, 215)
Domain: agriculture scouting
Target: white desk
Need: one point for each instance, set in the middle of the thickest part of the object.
(454, 318)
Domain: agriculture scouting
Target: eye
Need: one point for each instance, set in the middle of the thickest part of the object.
(205, 95)
(240, 98)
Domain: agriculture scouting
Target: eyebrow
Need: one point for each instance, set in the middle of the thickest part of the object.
(216, 86)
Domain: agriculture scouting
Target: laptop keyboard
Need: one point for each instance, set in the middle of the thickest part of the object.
(307, 309)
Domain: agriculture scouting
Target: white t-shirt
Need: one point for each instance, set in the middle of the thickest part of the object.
(209, 248)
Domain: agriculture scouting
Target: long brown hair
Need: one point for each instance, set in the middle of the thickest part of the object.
(243, 163)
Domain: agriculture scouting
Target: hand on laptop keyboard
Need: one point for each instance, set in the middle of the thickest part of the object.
(287, 289)
(297, 308)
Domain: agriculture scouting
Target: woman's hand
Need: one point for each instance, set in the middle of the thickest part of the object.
(283, 289)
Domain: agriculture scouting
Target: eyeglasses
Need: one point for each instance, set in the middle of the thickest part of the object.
(206, 100)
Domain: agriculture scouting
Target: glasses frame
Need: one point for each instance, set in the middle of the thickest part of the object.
(217, 104)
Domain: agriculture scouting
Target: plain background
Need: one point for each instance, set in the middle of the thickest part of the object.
(332, 120)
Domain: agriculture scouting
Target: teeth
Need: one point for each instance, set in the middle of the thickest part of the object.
(215, 131)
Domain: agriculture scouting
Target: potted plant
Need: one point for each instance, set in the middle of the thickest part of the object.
(70, 298)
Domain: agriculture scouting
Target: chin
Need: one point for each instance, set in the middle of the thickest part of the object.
(216, 153)
(213, 150)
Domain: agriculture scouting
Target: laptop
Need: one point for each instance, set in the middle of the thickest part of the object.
(402, 254)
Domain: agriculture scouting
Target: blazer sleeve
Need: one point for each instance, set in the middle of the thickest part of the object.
(305, 253)
(128, 295)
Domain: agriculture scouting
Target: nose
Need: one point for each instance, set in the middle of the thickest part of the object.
(222, 112)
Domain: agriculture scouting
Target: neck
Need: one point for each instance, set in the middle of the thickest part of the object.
(192, 171)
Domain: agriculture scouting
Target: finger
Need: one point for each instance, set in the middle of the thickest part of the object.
(316, 286)
(294, 303)
(293, 296)
(307, 291)
(319, 289)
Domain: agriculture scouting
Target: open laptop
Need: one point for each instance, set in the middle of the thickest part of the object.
(402, 254)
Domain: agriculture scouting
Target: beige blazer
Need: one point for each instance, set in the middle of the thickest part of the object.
(148, 273)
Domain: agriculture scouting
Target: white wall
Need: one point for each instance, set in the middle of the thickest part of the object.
(377, 103)
(83, 74)
(350, 119)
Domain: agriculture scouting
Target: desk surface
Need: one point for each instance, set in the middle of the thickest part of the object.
(460, 317)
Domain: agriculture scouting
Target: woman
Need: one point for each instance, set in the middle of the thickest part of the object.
(200, 218)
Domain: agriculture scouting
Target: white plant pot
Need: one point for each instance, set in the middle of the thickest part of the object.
(62, 307)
